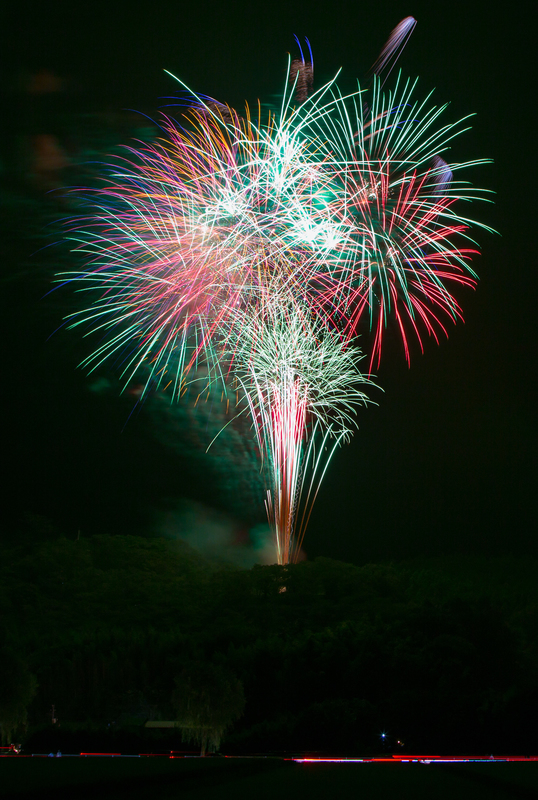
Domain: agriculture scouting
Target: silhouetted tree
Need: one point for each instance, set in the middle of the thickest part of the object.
(17, 689)
(208, 698)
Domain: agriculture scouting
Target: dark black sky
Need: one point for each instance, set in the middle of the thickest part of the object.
(446, 462)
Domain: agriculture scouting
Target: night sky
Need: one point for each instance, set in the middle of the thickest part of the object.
(446, 462)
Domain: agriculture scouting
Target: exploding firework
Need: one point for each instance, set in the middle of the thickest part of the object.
(214, 219)
(402, 242)
(301, 384)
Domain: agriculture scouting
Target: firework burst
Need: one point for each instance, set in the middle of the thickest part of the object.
(302, 388)
(400, 238)
(215, 218)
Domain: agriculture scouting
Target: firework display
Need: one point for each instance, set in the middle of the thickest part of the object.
(250, 251)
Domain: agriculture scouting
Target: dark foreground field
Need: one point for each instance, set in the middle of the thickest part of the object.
(237, 778)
